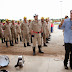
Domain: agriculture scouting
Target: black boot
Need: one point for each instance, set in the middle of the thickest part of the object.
(16, 42)
(65, 65)
(40, 49)
(70, 65)
(45, 45)
(47, 40)
(2, 40)
(6, 44)
(33, 51)
(11, 44)
(70, 61)
(24, 45)
(31, 39)
(20, 39)
(28, 44)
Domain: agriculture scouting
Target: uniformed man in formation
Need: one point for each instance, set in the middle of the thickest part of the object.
(36, 30)
(24, 27)
(1, 33)
(28, 31)
(30, 36)
(13, 32)
(18, 30)
(7, 34)
(44, 30)
(48, 29)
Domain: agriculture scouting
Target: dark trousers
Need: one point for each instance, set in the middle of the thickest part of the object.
(68, 49)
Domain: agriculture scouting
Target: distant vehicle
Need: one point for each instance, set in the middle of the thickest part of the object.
(57, 22)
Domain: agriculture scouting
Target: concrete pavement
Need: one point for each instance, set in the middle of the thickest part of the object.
(37, 64)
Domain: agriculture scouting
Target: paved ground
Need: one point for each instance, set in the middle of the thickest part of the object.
(37, 64)
(50, 61)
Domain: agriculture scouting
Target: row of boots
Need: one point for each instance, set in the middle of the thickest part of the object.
(11, 42)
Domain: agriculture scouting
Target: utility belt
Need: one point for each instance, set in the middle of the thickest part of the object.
(36, 32)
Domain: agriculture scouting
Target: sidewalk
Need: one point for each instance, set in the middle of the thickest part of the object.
(37, 64)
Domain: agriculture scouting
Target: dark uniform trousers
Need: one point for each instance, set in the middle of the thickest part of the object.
(68, 53)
